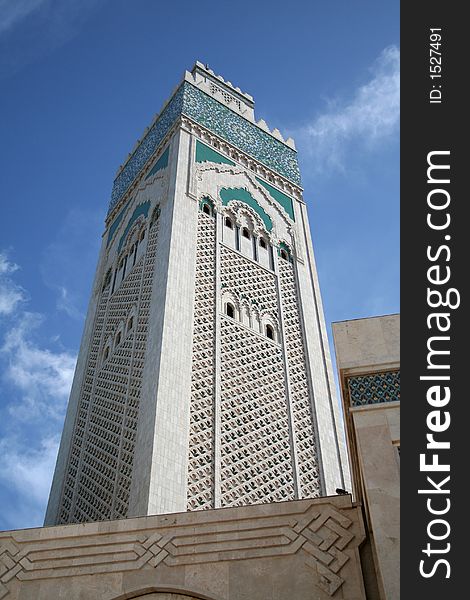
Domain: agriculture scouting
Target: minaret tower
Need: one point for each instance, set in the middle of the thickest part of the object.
(204, 377)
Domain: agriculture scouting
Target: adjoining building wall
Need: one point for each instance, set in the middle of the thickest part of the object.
(304, 550)
(368, 362)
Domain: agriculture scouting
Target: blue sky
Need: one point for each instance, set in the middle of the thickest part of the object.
(80, 82)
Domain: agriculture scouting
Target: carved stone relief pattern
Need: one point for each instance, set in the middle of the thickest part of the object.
(323, 535)
(211, 176)
(248, 281)
(256, 455)
(303, 419)
(99, 470)
(201, 437)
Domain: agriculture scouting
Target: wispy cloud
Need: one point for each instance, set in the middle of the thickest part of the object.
(42, 377)
(26, 472)
(36, 380)
(30, 29)
(14, 11)
(65, 258)
(67, 303)
(369, 117)
(6, 267)
(29, 470)
(11, 294)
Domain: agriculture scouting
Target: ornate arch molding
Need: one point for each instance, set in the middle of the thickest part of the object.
(152, 593)
(244, 215)
(155, 192)
(140, 211)
(213, 175)
(207, 172)
(134, 232)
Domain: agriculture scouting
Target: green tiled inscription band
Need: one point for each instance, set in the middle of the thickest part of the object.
(222, 121)
(374, 389)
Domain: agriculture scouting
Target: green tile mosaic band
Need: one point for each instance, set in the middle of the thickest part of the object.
(208, 112)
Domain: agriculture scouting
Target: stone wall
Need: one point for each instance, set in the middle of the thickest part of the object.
(368, 360)
(306, 549)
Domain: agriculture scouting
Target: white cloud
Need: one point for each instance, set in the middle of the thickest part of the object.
(5, 265)
(10, 297)
(67, 303)
(368, 118)
(14, 11)
(42, 377)
(36, 383)
(29, 470)
(26, 471)
(11, 294)
(66, 260)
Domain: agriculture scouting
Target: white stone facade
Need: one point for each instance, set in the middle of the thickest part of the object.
(204, 377)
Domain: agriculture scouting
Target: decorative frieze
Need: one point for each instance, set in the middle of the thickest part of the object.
(220, 120)
(314, 541)
(374, 389)
(241, 133)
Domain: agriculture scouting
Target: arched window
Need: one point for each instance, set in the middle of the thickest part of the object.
(270, 332)
(107, 279)
(230, 310)
(228, 223)
(118, 338)
(130, 323)
(106, 353)
(155, 215)
(284, 254)
(206, 209)
(246, 233)
(262, 243)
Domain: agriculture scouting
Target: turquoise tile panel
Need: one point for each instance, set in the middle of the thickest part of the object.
(161, 163)
(219, 119)
(206, 154)
(374, 389)
(142, 209)
(244, 135)
(280, 197)
(115, 224)
(147, 147)
(242, 195)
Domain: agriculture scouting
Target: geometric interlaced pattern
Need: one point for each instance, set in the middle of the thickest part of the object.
(305, 442)
(245, 278)
(201, 434)
(99, 469)
(256, 461)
